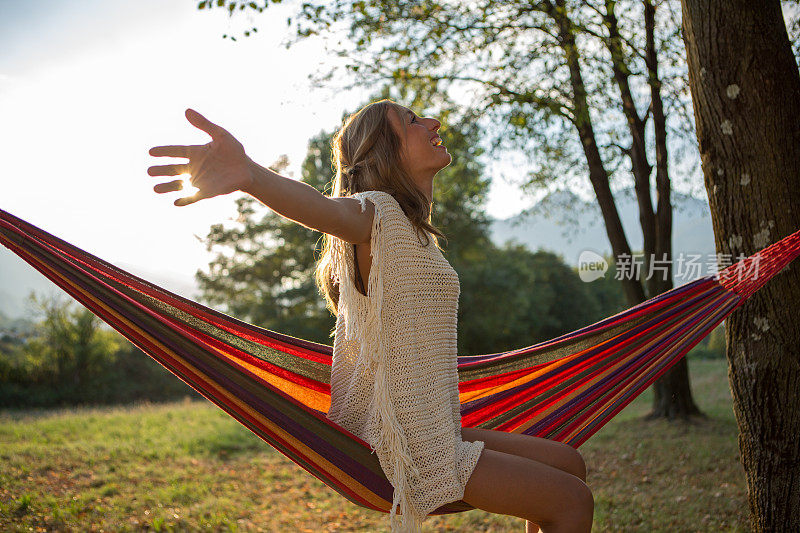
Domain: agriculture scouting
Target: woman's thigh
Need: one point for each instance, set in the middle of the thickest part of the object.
(550, 452)
(513, 485)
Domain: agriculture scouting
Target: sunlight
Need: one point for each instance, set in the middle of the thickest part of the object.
(186, 185)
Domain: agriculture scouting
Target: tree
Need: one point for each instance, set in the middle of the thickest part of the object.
(746, 93)
(68, 350)
(517, 298)
(67, 357)
(525, 64)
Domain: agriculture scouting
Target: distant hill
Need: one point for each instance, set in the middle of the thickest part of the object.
(18, 279)
(566, 225)
(561, 223)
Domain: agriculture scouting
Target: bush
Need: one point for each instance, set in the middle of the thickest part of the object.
(72, 359)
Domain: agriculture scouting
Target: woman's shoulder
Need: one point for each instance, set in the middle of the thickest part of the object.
(382, 200)
(380, 195)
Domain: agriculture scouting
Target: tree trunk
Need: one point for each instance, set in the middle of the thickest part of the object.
(672, 395)
(746, 94)
(636, 127)
(598, 176)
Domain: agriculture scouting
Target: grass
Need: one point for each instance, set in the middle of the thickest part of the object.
(188, 466)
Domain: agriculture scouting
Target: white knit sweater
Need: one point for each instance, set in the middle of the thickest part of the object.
(394, 381)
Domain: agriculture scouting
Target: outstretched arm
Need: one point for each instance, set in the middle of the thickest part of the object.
(222, 166)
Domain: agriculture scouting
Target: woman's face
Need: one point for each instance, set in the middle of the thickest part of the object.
(421, 150)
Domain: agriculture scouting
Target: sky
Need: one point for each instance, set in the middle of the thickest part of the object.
(86, 88)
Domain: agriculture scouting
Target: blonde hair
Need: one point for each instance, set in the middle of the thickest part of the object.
(365, 155)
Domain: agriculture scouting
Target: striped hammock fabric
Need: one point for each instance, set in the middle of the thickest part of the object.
(277, 386)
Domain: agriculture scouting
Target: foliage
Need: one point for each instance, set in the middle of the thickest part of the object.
(70, 358)
(524, 298)
(69, 346)
(506, 62)
(607, 292)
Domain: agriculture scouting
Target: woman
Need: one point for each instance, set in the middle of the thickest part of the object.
(394, 378)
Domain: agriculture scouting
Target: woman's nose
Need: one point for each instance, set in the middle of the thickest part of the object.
(433, 124)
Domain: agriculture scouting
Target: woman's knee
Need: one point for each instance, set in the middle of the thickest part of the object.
(579, 495)
(579, 501)
(579, 464)
(575, 463)
(584, 497)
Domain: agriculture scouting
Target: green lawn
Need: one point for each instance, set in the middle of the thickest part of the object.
(188, 466)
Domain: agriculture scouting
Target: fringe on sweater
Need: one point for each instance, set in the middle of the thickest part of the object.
(368, 327)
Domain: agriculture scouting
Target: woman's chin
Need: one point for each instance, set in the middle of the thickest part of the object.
(446, 160)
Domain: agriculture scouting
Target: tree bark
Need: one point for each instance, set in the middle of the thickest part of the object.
(746, 95)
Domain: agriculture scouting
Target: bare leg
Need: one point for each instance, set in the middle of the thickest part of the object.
(547, 469)
(557, 501)
(550, 452)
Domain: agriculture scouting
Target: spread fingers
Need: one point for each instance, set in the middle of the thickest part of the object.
(168, 170)
(176, 151)
(196, 197)
(171, 186)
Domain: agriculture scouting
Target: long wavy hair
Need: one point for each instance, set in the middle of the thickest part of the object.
(366, 156)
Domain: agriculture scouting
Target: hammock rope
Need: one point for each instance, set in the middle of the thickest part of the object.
(277, 386)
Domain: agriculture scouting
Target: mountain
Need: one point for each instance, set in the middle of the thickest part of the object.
(566, 225)
(18, 280)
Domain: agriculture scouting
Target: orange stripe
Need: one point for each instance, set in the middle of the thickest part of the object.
(488, 391)
(314, 399)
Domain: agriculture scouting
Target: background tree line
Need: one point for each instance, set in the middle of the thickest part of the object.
(66, 356)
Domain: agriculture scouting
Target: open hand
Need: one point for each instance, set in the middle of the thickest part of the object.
(219, 167)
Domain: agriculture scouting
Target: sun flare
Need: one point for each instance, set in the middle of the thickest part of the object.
(186, 184)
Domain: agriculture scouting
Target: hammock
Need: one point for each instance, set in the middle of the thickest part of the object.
(277, 386)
